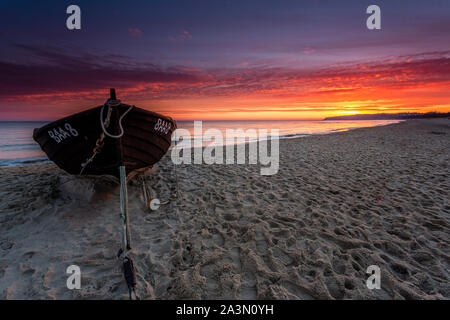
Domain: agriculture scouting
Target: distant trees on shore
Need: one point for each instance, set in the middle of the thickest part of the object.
(391, 116)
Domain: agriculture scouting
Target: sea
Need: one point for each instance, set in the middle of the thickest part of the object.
(17, 146)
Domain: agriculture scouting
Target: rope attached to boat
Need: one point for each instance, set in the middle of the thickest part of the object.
(108, 118)
(105, 124)
(98, 146)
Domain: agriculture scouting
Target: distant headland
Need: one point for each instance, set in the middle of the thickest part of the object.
(391, 116)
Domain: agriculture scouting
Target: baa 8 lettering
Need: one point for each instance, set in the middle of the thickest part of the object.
(162, 126)
(58, 134)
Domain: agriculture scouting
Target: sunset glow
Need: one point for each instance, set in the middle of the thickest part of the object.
(191, 73)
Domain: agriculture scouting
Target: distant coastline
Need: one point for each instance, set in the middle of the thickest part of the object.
(391, 116)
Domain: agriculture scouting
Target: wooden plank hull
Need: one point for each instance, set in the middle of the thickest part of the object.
(69, 142)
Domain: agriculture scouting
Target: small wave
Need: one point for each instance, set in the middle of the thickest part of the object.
(22, 161)
(293, 135)
(19, 145)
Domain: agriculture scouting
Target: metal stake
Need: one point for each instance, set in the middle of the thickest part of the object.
(126, 242)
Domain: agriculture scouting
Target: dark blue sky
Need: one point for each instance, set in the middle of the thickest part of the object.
(226, 33)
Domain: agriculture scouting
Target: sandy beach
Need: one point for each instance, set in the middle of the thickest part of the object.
(339, 203)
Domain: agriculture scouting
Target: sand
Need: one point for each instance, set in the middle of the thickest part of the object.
(339, 203)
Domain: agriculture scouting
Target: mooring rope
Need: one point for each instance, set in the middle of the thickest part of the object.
(108, 117)
(105, 124)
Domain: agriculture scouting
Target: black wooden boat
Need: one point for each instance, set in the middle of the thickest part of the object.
(112, 139)
(100, 140)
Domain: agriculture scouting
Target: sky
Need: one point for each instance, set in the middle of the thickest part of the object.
(225, 60)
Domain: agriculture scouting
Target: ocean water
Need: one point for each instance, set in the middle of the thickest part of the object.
(17, 146)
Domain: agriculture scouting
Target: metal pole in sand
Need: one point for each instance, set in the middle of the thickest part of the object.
(129, 270)
(124, 210)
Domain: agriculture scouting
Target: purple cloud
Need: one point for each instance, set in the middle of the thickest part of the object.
(135, 32)
(184, 35)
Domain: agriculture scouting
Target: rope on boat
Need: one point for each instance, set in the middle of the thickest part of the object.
(105, 124)
(98, 146)
(112, 103)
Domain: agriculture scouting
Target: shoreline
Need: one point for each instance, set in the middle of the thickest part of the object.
(43, 159)
(339, 203)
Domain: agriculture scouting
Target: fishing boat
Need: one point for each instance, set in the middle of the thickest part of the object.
(100, 140)
(111, 139)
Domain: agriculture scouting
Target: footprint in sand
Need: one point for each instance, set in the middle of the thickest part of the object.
(248, 288)
(218, 239)
(28, 255)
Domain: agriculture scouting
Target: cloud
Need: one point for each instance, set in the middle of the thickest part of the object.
(183, 35)
(396, 83)
(59, 72)
(135, 32)
(309, 50)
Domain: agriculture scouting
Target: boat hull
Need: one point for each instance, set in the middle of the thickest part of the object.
(69, 142)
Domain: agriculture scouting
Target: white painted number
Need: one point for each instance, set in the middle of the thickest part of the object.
(73, 132)
(162, 126)
(59, 134)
